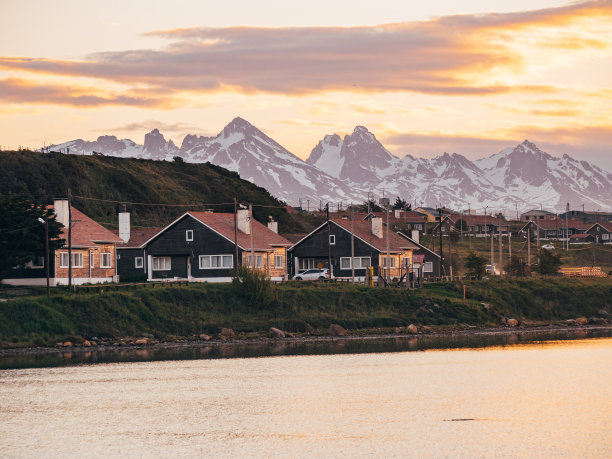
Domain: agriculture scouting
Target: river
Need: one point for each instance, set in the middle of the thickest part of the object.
(538, 398)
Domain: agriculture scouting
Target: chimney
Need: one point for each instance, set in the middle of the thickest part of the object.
(415, 236)
(61, 211)
(272, 225)
(124, 226)
(377, 227)
(243, 221)
(397, 213)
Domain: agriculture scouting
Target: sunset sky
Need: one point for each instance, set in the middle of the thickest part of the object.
(470, 77)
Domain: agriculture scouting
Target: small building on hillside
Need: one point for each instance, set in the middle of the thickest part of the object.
(201, 246)
(587, 216)
(473, 225)
(329, 246)
(93, 253)
(537, 214)
(425, 262)
(559, 229)
(402, 220)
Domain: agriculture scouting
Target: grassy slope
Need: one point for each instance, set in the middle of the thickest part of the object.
(134, 180)
(172, 312)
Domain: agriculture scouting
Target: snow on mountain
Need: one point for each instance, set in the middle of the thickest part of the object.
(346, 170)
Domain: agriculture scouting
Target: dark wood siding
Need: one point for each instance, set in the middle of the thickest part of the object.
(126, 267)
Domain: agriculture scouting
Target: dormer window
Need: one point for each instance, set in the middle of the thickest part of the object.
(189, 235)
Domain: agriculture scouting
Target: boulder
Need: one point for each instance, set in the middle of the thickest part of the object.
(205, 337)
(86, 343)
(276, 333)
(412, 329)
(67, 344)
(337, 330)
(512, 322)
(581, 321)
(94, 344)
(142, 342)
(226, 333)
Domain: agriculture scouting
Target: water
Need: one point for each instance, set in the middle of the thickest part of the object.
(536, 399)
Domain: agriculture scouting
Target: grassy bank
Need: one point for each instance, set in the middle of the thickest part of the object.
(175, 312)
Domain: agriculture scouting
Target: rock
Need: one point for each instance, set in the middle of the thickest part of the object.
(581, 321)
(412, 329)
(598, 320)
(276, 333)
(570, 322)
(67, 344)
(142, 342)
(86, 343)
(205, 337)
(94, 344)
(426, 329)
(226, 333)
(59, 344)
(512, 322)
(337, 330)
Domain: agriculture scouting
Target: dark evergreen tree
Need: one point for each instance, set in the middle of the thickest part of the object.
(550, 262)
(476, 265)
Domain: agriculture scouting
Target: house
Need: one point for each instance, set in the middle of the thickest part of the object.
(329, 246)
(430, 213)
(402, 220)
(93, 253)
(424, 260)
(474, 225)
(132, 253)
(587, 216)
(581, 238)
(537, 214)
(202, 246)
(601, 232)
(559, 229)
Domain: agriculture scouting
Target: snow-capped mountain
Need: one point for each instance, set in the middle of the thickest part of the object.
(346, 170)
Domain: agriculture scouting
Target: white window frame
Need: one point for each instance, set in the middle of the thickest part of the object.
(189, 235)
(332, 239)
(161, 264)
(139, 262)
(428, 267)
(219, 259)
(605, 237)
(107, 255)
(306, 263)
(279, 261)
(359, 262)
(258, 261)
(392, 260)
(77, 259)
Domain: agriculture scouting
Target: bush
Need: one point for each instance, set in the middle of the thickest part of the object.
(255, 287)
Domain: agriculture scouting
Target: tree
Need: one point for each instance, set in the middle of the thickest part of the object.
(476, 265)
(549, 262)
(22, 234)
(371, 205)
(400, 204)
(461, 225)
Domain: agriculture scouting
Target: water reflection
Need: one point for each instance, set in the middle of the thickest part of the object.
(320, 346)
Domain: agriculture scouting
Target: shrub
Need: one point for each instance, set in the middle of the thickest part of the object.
(255, 287)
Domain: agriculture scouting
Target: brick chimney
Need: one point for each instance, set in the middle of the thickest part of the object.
(377, 227)
(61, 211)
(243, 221)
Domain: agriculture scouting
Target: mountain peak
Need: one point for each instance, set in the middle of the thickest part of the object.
(238, 125)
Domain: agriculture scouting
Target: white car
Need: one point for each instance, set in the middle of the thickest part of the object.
(548, 247)
(312, 274)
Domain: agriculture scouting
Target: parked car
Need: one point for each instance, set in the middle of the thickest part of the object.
(495, 269)
(548, 247)
(312, 274)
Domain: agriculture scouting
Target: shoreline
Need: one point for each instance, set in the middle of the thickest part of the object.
(368, 336)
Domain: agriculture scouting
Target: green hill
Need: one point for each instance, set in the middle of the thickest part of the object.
(203, 186)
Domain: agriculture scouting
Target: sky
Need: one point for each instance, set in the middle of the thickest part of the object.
(470, 77)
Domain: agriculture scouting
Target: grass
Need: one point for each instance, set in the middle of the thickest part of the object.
(168, 313)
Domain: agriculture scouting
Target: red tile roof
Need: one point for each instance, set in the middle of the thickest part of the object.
(138, 236)
(405, 217)
(294, 237)
(560, 223)
(223, 223)
(86, 232)
(363, 230)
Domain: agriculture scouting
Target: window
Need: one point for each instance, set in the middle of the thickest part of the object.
(258, 261)
(216, 261)
(36, 262)
(428, 267)
(161, 263)
(605, 237)
(189, 235)
(77, 260)
(105, 260)
(360, 262)
(138, 262)
(306, 263)
(279, 261)
(391, 261)
(91, 259)
(332, 239)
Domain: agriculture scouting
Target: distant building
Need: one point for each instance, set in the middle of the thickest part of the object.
(534, 214)
(587, 216)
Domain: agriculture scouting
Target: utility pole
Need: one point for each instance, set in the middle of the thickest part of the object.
(69, 239)
(236, 230)
(329, 259)
(501, 264)
(450, 256)
(251, 231)
(529, 245)
(388, 258)
(492, 253)
(440, 231)
(538, 237)
(47, 253)
(352, 244)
